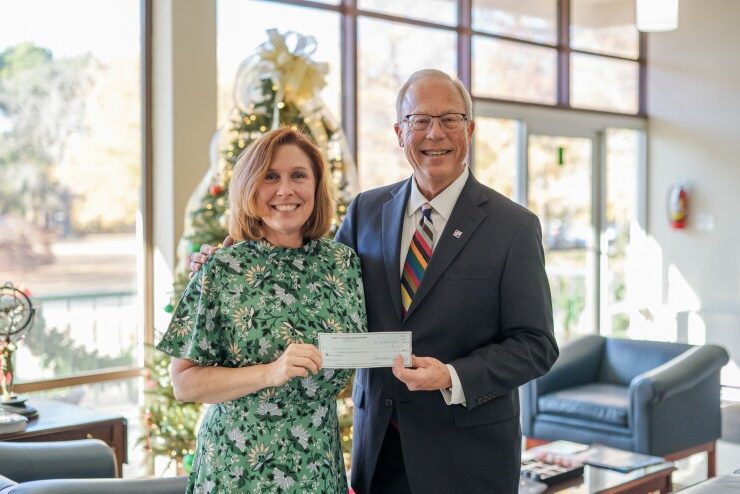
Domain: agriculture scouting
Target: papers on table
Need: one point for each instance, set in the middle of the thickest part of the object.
(364, 350)
(616, 459)
(568, 453)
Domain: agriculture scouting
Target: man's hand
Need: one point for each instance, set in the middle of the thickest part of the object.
(197, 259)
(425, 374)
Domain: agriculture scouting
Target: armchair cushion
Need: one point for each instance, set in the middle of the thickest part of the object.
(601, 403)
(71, 467)
(172, 485)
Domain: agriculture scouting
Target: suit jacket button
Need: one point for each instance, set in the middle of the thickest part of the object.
(388, 402)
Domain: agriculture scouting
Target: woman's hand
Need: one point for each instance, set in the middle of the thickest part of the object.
(214, 384)
(296, 361)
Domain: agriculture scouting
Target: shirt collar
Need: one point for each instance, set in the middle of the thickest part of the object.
(445, 200)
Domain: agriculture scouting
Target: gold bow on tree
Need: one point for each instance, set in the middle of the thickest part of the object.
(300, 78)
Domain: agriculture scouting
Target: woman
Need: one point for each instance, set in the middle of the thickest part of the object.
(244, 332)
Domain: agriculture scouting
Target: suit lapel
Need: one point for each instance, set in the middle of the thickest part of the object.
(465, 218)
(393, 212)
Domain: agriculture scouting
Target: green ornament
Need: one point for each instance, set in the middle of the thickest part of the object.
(194, 247)
(169, 309)
(187, 462)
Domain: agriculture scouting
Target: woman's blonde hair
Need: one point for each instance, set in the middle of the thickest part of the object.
(250, 170)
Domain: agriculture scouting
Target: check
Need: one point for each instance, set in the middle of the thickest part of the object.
(363, 350)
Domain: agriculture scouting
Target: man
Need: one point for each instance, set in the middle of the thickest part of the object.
(462, 268)
(473, 292)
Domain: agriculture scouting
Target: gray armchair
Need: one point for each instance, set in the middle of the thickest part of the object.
(66, 467)
(649, 397)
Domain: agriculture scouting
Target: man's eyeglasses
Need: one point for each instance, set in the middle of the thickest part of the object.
(448, 121)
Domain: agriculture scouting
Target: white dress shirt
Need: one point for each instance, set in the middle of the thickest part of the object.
(442, 206)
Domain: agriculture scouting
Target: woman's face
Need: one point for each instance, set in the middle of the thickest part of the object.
(285, 198)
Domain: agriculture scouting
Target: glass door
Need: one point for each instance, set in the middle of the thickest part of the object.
(583, 175)
(559, 192)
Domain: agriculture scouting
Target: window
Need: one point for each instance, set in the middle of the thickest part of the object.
(514, 71)
(519, 55)
(604, 84)
(533, 20)
(559, 193)
(496, 153)
(604, 27)
(388, 54)
(437, 11)
(621, 212)
(598, 82)
(70, 181)
(242, 27)
(581, 174)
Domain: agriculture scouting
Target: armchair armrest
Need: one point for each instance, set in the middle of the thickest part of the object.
(684, 390)
(27, 461)
(678, 374)
(6, 484)
(577, 364)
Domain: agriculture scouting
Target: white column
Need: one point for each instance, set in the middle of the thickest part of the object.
(183, 120)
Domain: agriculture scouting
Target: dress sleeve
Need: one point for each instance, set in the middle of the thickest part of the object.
(194, 332)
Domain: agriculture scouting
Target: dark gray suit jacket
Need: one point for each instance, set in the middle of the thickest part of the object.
(483, 306)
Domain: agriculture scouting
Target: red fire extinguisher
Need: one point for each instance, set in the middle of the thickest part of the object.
(678, 206)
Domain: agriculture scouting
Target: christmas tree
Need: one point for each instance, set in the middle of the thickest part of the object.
(277, 86)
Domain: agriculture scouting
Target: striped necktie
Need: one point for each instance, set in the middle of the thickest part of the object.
(417, 259)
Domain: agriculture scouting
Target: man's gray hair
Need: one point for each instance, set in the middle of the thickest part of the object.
(437, 74)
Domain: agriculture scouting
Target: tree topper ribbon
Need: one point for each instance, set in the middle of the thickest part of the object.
(299, 77)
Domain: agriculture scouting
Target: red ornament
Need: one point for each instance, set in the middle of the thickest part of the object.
(216, 190)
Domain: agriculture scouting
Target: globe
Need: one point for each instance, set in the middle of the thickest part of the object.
(16, 318)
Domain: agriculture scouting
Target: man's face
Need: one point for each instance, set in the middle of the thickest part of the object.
(436, 154)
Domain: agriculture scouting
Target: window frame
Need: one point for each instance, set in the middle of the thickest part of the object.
(350, 12)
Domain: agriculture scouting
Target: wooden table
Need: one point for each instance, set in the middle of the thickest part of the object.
(59, 421)
(655, 478)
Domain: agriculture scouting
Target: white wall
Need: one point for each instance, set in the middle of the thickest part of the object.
(694, 135)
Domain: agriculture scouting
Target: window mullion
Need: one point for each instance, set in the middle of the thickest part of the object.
(349, 73)
(464, 42)
(563, 96)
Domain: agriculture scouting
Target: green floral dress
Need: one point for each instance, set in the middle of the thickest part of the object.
(244, 307)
